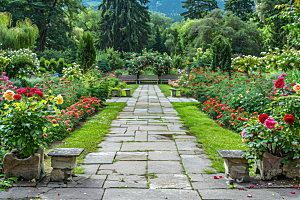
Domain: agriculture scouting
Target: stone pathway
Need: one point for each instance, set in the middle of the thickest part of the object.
(147, 155)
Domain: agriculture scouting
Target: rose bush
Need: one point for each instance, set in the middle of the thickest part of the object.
(279, 132)
(24, 123)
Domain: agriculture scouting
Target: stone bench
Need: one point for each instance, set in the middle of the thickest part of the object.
(236, 165)
(174, 92)
(63, 161)
(128, 78)
(148, 78)
(127, 92)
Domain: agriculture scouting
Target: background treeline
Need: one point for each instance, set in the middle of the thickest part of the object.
(121, 27)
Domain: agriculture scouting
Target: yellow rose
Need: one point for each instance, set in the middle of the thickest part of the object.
(9, 95)
(297, 88)
(60, 100)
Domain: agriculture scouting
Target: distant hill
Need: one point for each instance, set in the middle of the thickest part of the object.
(171, 8)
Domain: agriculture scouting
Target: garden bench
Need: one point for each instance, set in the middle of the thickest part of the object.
(127, 92)
(63, 161)
(148, 78)
(174, 92)
(236, 165)
(167, 77)
(128, 78)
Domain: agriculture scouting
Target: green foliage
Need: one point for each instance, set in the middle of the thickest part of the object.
(221, 54)
(198, 8)
(3, 63)
(52, 65)
(202, 59)
(241, 8)
(72, 73)
(86, 54)
(6, 182)
(22, 63)
(21, 36)
(124, 25)
(158, 45)
(60, 65)
(113, 57)
(178, 62)
(68, 55)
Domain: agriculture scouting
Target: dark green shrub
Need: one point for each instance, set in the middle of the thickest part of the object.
(67, 55)
(60, 65)
(52, 65)
(115, 61)
(86, 53)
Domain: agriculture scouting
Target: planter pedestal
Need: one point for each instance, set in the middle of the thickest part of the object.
(114, 93)
(28, 168)
(271, 167)
(63, 161)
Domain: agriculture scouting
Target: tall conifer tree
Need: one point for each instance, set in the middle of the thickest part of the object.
(241, 8)
(125, 25)
(159, 46)
(197, 9)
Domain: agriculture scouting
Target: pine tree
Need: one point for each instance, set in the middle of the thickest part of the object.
(86, 53)
(158, 46)
(198, 8)
(241, 8)
(125, 25)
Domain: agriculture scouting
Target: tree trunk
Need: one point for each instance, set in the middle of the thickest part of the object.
(43, 39)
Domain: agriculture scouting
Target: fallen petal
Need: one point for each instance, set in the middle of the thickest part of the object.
(241, 188)
(220, 176)
(251, 186)
(216, 177)
(292, 192)
(249, 195)
(295, 187)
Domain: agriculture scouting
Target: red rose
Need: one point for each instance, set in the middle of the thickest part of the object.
(54, 121)
(279, 83)
(39, 93)
(262, 118)
(239, 118)
(293, 84)
(289, 119)
(17, 97)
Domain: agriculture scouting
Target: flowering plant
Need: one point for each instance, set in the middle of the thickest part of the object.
(24, 121)
(279, 132)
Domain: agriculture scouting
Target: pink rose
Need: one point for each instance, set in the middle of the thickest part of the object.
(270, 123)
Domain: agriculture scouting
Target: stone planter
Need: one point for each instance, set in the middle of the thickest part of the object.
(28, 168)
(182, 94)
(271, 167)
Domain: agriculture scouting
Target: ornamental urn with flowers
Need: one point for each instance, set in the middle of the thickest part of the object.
(273, 138)
(23, 131)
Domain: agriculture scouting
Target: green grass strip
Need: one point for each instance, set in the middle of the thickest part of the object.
(166, 90)
(92, 132)
(211, 135)
(128, 86)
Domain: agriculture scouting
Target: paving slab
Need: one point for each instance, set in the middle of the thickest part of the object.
(109, 146)
(131, 156)
(90, 169)
(99, 158)
(163, 155)
(195, 163)
(164, 167)
(117, 130)
(130, 181)
(141, 136)
(238, 194)
(144, 146)
(23, 192)
(73, 193)
(125, 167)
(153, 128)
(164, 181)
(118, 139)
(186, 146)
(90, 183)
(161, 138)
(149, 194)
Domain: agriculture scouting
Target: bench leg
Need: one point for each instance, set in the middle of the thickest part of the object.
(173, 93)
(127, 93)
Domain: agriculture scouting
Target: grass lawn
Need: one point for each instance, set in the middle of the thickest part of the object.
(212, 136)
(165, 88)
(92, 132)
